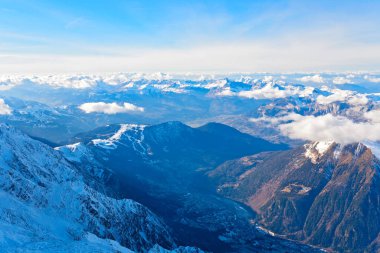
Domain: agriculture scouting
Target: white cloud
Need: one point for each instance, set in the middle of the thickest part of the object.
(66, 81)
(4, 87)
(110, 108)
(373, 115)
(329, 127)
(341, 80)
(226, 92)
(278, 120)
(312, 79)
(116, 79)
(358, 99)
(81, 81)
(335, 97)
(343, 96)
(267, 92)
(372, 79)
(4, 108)
(8, 82)
(272, 90)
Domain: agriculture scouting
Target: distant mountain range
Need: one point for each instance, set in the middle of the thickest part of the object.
(49, 108)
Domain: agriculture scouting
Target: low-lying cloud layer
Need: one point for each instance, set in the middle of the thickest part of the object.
(109, 108)
(4, 108)
(313, 79)
(341, 80)
(337, 128)
(372, 79)
(270, 90)
(338, 95)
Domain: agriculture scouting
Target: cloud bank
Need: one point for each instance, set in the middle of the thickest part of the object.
(4, 108)
(338, 95)
(109, 108)
(312, 79)
(372, 79)
(270, 90)
(342, 80)
(337, 128)
(373, 115)
(65, 81)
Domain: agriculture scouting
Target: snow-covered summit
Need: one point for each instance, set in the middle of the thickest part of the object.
(316, 150)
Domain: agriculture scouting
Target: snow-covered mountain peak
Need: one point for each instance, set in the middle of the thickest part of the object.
(317, 149)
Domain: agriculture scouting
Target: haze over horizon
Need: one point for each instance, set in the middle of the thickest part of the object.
(196, 36)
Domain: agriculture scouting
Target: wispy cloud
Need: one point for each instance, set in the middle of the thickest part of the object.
(203, 36)
(75, 23)
(240, 56)
(110, 108)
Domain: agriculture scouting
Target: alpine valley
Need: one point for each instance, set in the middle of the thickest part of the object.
(132, 162)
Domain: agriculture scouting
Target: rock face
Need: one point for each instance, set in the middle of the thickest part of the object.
(324, 194)
(46, 205)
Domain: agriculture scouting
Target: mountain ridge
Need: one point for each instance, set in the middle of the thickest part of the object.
(311, 195)
(48, 203)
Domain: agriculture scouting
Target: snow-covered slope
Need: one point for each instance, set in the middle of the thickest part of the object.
(316, 150)
(46, 206)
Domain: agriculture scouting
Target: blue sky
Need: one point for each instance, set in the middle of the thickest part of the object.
(172, 36)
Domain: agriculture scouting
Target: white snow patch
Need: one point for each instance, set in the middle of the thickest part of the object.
(323, 146)
(316, 150)
(265, 231)
(73, 152)
(110, 143)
